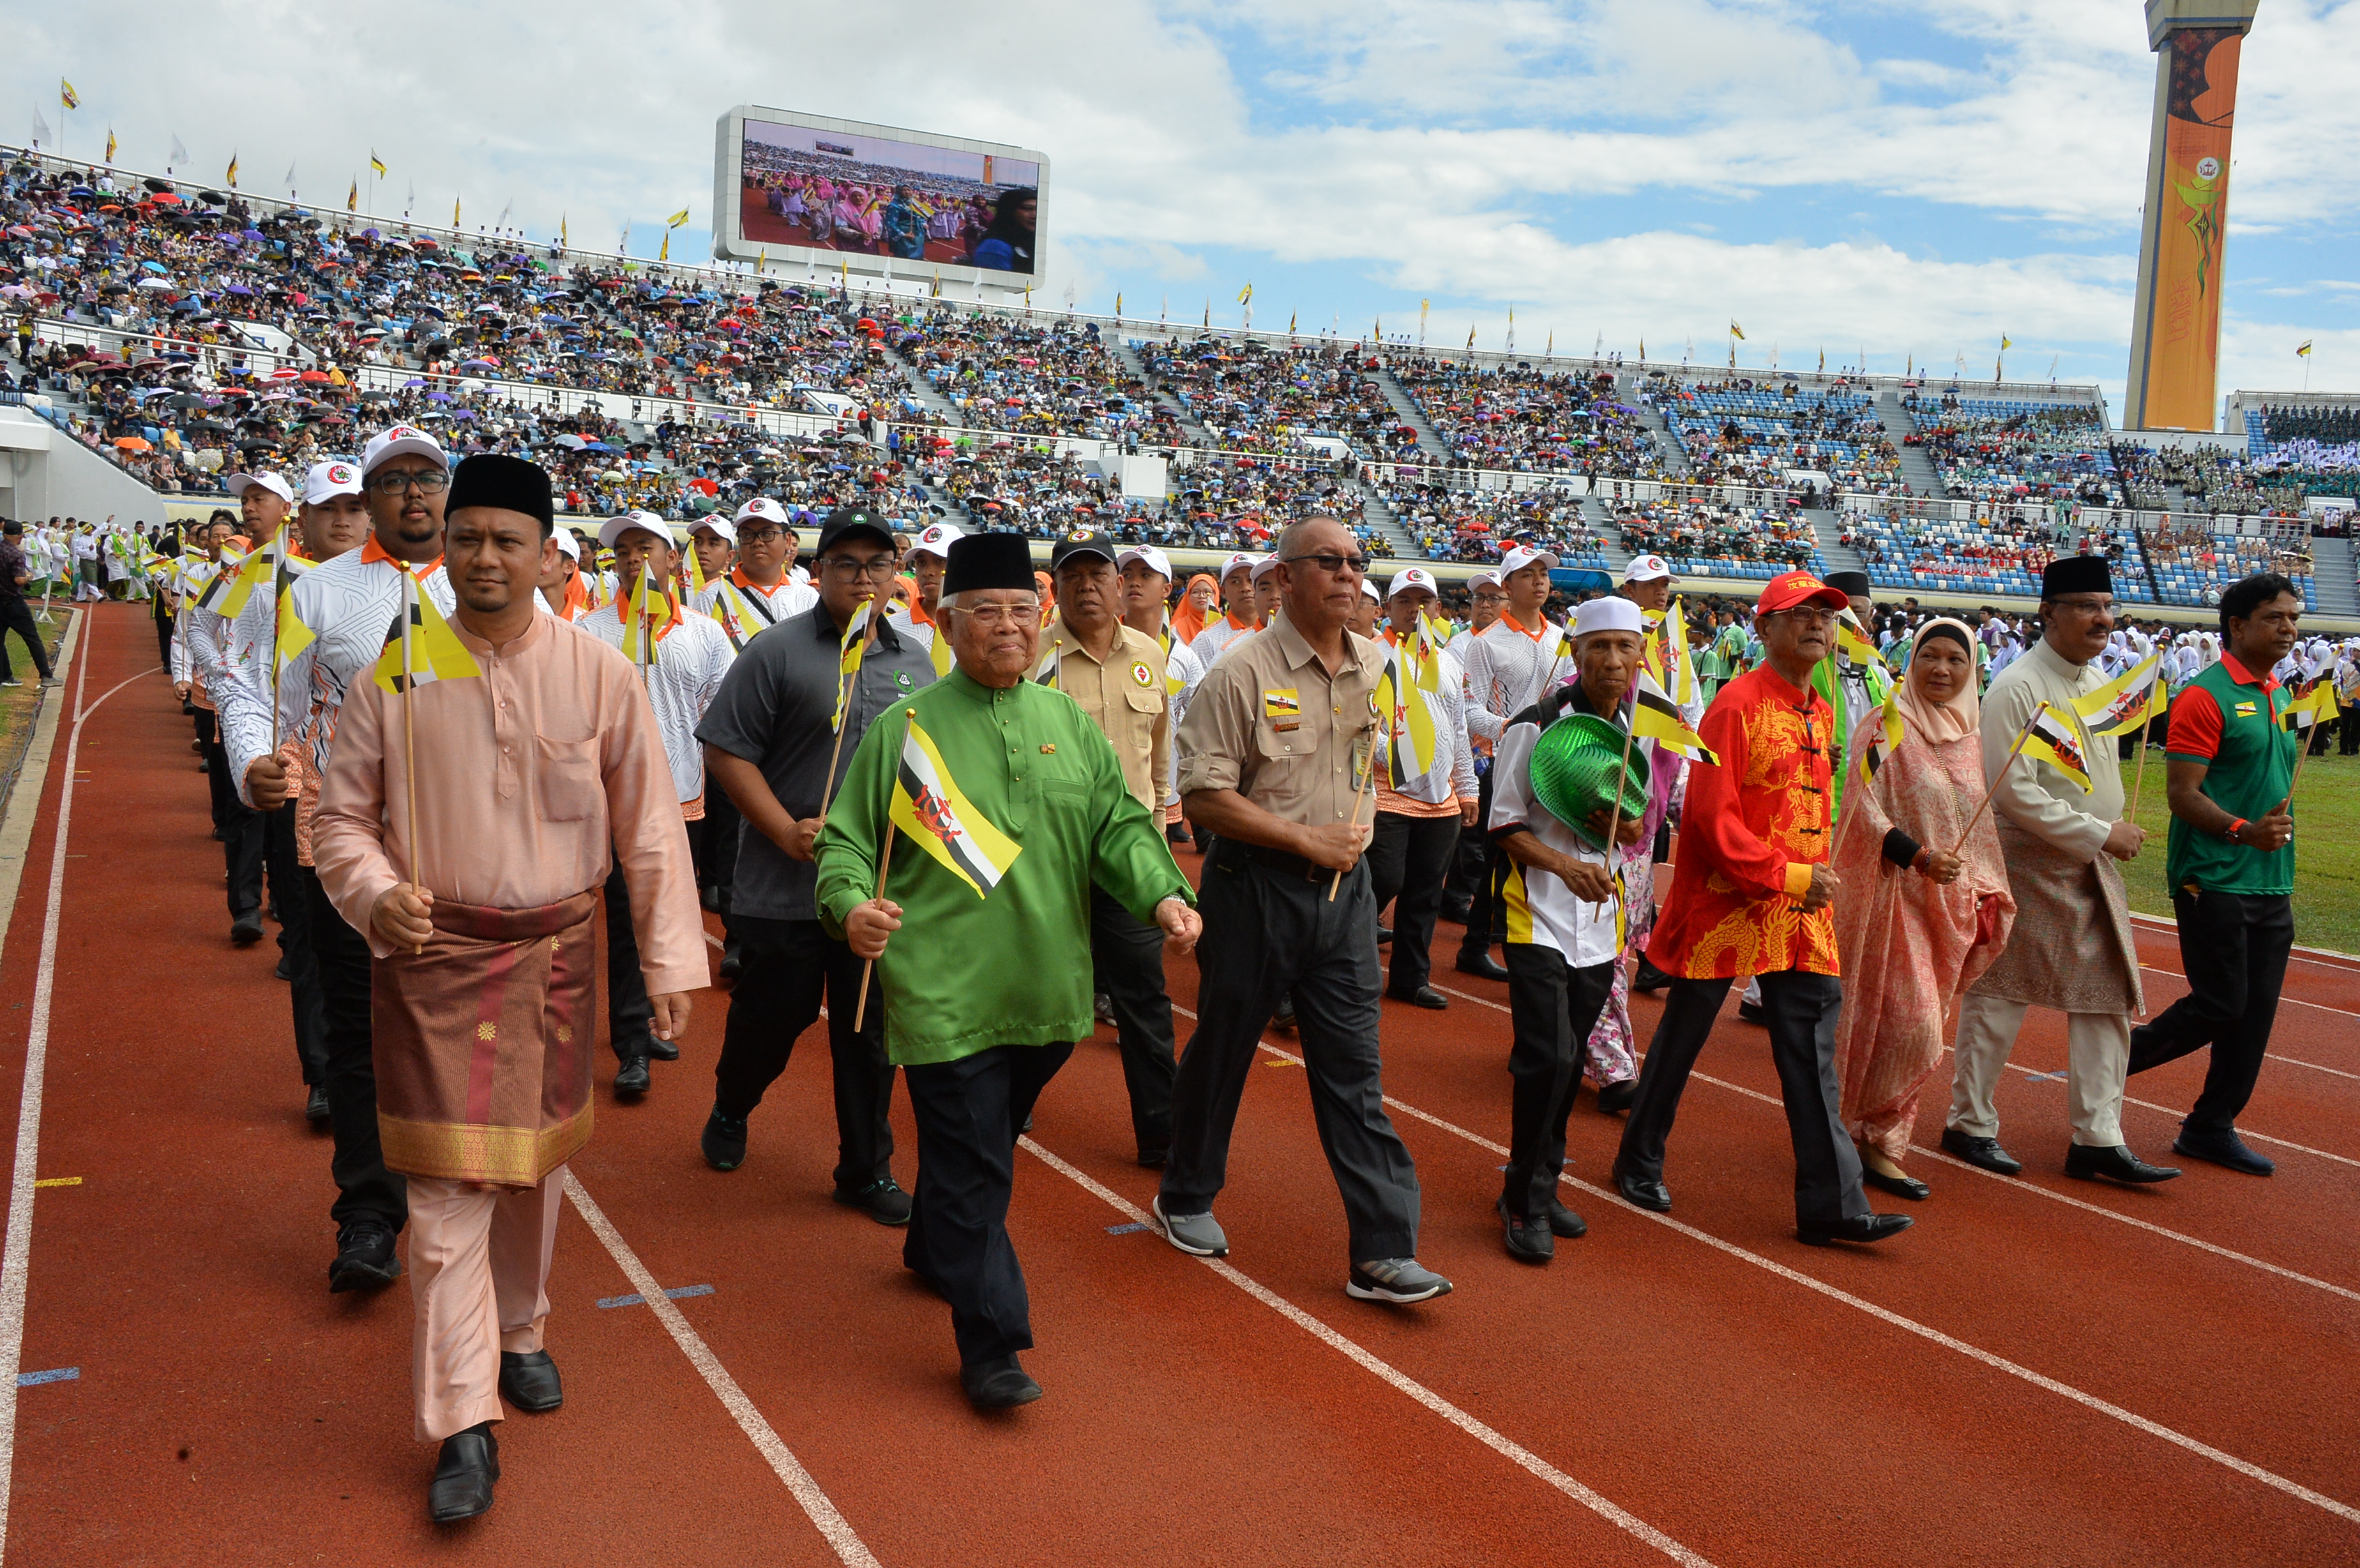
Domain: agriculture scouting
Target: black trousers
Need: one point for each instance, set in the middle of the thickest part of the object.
(1269, 930)
(1127, 956)
(630, 1016)
(1554, 1007)
(2234, 946)
(241, 825)
(1483, 911)
(365, 1187)
(716, 843)
(967, 1112)
(1802, 1010)
(15, 616)
(2349, 726)
(1408, 858)
(790, 965)
(286, 876)
(163, 634)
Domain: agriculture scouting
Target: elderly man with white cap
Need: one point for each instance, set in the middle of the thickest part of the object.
(1240, 617)
(1421, 801)
(1517, 660)
(682, 658)
(347, 603)
(1147, 607)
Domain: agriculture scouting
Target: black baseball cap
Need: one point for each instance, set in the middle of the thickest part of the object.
(1083, 542)
(858, 520)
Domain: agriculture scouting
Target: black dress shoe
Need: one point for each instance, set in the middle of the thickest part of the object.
(1982, 1153)
(724, 1141)
(1284, 1020)
(2085, 1164)
(529, 1380)
(664, 1050)
(1528, 1241)
(732, 962)
(1424, 997)
(997, 1384)
(633, 1078)
(1615, 1098)
(709, 897)
(1154, 1158)
(1457, 914)
(1564, 1222)
(882, 1201)
(1638, 1191)
(285, 970)
(463, 1475)
(2222, 1148)
(1481, 964)
(315, 1105)
(1907, 1187)
(1648, 977)
(1752, 1013)
(1852, 1227)
(1385, 935)
(365, 1259)
(246, 930)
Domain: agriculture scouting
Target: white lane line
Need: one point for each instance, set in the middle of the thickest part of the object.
(2015, 1185)
(2298, 1001)
(1490, 1438)
(2325, 958)
(16, 1262)
(832, 1525)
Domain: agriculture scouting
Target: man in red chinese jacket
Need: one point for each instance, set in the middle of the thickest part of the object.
(1751, 892)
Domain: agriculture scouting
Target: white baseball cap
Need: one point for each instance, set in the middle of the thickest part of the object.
(1147, 555)
(396, 441)
(239, 484)
(1412, 577)
(1242, 558)
(1612, 614)
(1489, 574)
(1369, 586)
(330, 479)
(1646, 569)
(567, 542)
(936, 540)
(646, 522)
(1520, 556)
(761, 507)
(719, 524)
(1263, 565)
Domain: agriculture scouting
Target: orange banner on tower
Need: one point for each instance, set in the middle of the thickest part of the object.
(2185, 341)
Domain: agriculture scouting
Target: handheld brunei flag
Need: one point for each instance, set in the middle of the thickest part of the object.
(2125, 702)
(928, 807)
(294, 635)
(2315, 703)
(647, 614)
(1046, 673)
(1852, 641)
(1657, 718)
(1885, 742)
(1666, 657)
(421, 647)
(224, 579)
(1408, 720)
(2051, 740)
(856, 643)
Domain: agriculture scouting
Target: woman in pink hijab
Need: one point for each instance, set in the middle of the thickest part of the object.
(1918, 923)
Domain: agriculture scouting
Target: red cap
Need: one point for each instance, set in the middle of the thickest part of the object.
(1789, 589)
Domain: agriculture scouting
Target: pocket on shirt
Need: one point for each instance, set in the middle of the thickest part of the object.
(1281, 746)
(566, 785)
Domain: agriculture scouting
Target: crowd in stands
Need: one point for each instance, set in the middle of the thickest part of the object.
(1719, 539)
(1999, 451)
(1739, 432)
(1050, 377)
(1448, 523)
(1529, 421)
(1252, 397)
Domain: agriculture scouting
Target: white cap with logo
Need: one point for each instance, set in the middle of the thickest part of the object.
(239, 484)
(765, 508)
(1412, 577)
(566, 542)
(397, 439)
(1240, 560)
(1646, 569)
(646, 522)
(1520, 556)
(1147, 555)
(330, 479)
(720, 525)
(936, 540)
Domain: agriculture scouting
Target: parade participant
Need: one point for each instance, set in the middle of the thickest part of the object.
(346, 603)
(1613, 1043)
(335, 518)
(759, 591)
(1239, 618)
(771, 741)
(1564, 909)
(263, 500)
(1365, 616)
(561, 586)
(1273, 753)
(1509, 666)
(2072, 949)
(476, 878)
(2230, 864)
(1750, 896)
(1418, 823)
(714, 540)
(1118, 675)
(16, 575)
(1920, 921)
(1014, 808)
(1146, 592)
(1197, 604)
(682, 662)
(928, 557)
(1486, 598)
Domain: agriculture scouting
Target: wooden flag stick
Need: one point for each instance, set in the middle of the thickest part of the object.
(1622, 777)
(408, 737)
(2013, 753)
(884, 864)
(2138, 773)
(1368, 771)
(844, 682)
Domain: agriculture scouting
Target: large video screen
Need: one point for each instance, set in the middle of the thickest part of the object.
(870, 195)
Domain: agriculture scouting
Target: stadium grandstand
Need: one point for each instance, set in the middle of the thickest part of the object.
(185, 334)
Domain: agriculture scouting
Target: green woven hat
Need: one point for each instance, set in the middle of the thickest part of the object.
(1573, 771)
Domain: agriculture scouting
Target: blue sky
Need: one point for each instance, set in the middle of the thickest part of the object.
(1906, 178)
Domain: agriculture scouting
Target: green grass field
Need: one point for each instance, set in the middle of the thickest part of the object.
(2327, 859)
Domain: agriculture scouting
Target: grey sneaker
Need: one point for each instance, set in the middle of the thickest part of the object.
(1198, 1236)
(1396, 1280)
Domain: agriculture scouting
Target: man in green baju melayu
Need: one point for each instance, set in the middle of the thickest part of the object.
(1006, 804)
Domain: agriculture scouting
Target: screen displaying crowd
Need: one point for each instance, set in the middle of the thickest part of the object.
(870, 196)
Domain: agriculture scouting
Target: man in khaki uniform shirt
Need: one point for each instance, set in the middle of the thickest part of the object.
(1272, 754)
(1116, 674)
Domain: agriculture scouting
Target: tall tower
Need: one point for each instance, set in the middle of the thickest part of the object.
(2175, 323)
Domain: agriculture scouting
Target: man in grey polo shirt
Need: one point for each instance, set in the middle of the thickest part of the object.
(768, 738)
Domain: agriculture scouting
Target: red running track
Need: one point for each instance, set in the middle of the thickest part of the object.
(2041, 1372)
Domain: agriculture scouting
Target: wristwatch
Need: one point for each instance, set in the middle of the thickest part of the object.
(2236, 826)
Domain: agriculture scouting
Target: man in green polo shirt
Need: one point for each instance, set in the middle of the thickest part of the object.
(1009, 806)
(2230, 866)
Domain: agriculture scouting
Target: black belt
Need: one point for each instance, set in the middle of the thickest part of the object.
(1277, 860)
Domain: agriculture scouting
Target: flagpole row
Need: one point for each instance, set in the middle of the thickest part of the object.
(2013, 753)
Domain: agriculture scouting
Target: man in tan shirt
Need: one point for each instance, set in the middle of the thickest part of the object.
(474, 878)
(1117, 674)
(1274, 752)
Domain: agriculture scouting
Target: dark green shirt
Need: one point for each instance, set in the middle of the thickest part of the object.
(2227, 719)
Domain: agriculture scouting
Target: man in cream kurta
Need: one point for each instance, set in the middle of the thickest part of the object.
(2072, 948)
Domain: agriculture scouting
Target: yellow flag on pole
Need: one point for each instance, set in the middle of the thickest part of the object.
(2053, 740)
(421, 647)
(2126, 702)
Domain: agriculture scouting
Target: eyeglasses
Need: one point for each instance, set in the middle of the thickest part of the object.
(1333, 565)
(1022, 615)
(394, 481)
(2085, 606)
(845, 570)
(761, 536)
(1808, 615)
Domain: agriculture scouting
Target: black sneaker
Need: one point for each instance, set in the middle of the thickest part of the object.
(724, 1141)
(882, 1201)
(732, 962)
(365, 1259)
(315, 1107)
